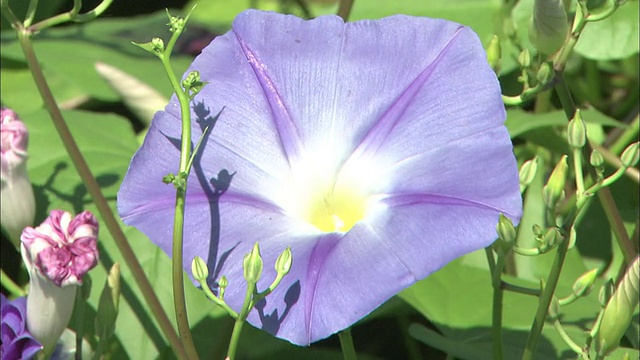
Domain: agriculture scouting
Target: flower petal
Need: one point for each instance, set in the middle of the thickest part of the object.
(408, 103)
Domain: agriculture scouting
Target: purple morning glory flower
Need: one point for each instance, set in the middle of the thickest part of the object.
(376, 150)
(17, 343)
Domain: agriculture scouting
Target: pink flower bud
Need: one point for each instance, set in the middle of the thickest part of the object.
(15, 139)
(57, 254)
(18, 202)
(63, 248)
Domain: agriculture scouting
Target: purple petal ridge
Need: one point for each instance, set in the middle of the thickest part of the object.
(407, 105)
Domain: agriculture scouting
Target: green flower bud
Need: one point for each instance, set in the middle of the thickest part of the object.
(550, 239)
(619, 311)
(584, 283)
(199, 269)
(494, 54)
(158, 44)
(506, 235)
(630, 155)
(528, 172)
(108, 304)
(176, 24)
(222, 285)
(155, 46)
(223, 282)
(577, 131)
(545, 74)
(538, 231)
(524, 58)
(283, 263)
(548, 27)
(553, 192)
(596, 159)
(252, 265)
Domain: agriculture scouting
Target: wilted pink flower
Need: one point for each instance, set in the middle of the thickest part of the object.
(18, 203)
(57, 254)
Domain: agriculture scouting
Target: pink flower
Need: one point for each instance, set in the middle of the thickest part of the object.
(63, 249)
(18, 203)
(58, 253)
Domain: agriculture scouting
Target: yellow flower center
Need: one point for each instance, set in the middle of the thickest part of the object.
(336, 210)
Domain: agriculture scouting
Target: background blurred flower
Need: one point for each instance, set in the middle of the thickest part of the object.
(376, 150)
(57, 254)
(17, 342)
(18, 203)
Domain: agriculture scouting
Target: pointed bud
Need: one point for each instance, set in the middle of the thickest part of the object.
(252, 265)
(283, 263)
(506, 236)
(57, 254)
(222, 285)
(494, 54)
(596, 159)
(545, 74)
(584, 283)
(18, 203)
(176, 24)
(553, 192)
(528, 172)
(538, 231)
(550, 239)
(524, 58)
(548, 27)
(199, 269)
(630, 155)
(577, 131)
(108, 305)
(619, 311)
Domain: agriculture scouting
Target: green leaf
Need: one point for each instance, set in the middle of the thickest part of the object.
(613, 38)
(519, 121)
(68, 55)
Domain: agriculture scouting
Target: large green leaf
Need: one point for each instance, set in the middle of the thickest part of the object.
(613, 38)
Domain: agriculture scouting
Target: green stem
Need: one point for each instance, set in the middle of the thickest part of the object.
(566, 338)
(94, 189)
(577, 168)
(617, 226)
(544, 302)
(179, 301)
(237, 327)
(344, 9)
(8, 283)
(628, 136)
(31, 12)
(519, 289)
(72, 15)
(498, 294)
(346, 343)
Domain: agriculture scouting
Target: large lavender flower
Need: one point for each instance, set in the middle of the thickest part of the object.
(376, 150)
(17, 342)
